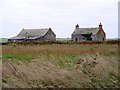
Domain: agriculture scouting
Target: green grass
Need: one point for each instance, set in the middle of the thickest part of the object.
(67, 62)
(20, 57)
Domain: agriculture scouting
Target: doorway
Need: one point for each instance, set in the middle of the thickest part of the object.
(103, 39)
(76, 39)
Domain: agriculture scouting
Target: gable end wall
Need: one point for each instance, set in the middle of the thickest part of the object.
(49, 36)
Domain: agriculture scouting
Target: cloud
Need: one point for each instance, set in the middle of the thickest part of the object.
(59, 14)
(119, 19)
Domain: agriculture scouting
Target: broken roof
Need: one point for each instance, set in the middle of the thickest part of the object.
(86, 30)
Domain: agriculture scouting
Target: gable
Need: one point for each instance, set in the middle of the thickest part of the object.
(101, 33)
(50, 33)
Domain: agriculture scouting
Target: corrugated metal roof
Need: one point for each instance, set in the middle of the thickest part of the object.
(86, 30)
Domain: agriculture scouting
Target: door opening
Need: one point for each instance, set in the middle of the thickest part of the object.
(76, 39)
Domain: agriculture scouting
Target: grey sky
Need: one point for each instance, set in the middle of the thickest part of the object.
(60, 15)
(119, 19)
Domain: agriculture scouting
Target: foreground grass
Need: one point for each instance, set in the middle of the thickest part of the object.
(55, 66)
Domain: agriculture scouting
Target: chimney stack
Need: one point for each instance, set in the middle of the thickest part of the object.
(100, 26)
(77, 26)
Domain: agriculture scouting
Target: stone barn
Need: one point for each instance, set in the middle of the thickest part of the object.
(88, 34)
(34, 35)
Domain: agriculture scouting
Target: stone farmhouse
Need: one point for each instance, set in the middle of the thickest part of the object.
(88, 34)
(34, 35)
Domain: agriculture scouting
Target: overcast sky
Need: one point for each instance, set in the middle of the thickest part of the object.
(60, 15)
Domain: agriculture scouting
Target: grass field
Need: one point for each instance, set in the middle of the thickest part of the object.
(3, 40)
(30, 52)
(60, 65)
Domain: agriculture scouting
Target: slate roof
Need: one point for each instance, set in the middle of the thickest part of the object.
(86, 30)
(31, 33)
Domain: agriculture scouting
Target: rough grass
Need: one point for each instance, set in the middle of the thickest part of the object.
(48, 51)
(55, 66)
(60, 50)
(62, 55)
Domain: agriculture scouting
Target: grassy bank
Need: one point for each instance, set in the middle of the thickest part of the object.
(57, 65)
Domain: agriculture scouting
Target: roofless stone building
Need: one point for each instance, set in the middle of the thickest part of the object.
(88, 34)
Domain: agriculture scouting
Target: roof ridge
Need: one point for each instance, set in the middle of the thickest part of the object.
(88, 27)
(34, 28)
